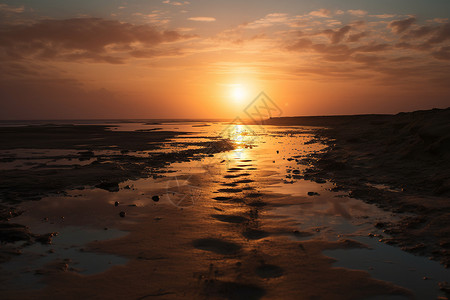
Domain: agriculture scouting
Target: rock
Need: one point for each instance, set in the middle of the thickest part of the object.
(444, 286)
(86, 155)
(313, 194)
(10, 233)
(155, 198)
(116, 203)
(296, 172)
(380, 225)
(127, 187)
(108, 186)
(46, 239)
(122, 214)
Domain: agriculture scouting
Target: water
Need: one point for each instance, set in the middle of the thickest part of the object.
(389, 263)
(66, 248)
(275, 154)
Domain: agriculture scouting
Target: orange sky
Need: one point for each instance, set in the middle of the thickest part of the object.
(172, 59)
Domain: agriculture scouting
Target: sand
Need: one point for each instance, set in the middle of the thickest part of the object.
(226, 248)
(399, 162)
(230, 242)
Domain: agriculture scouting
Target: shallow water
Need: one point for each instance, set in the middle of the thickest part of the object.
(26, 269)
(269, 158)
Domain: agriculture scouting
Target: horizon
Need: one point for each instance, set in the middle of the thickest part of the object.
(135, 120)
(209, 59)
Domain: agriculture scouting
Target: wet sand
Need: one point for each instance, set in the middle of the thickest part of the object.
(399, 162)
(216, 224)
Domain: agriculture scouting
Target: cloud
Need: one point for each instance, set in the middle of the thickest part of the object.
(81, 39)
(357, 36)
(368, 59)
(155, 17)
(384, 16)
(323, 13)
(337, 35)
(400, 26)
(443, 53)
(357, 12)
(268, 20)
(176, 3)
(300, 45)
(202, 19)
(11, 9)
(419, 32)
(425, 37)
(442, 34)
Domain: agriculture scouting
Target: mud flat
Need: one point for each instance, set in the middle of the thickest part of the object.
(41, 160)
(199, 239)
(247, 223)
(399, 162)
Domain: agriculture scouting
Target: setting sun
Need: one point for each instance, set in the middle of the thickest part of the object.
(238, 93)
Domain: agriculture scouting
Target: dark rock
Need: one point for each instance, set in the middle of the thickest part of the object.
(46, 239)
(155, 198)
(313, 194)
(108, 186)
(10, 233)
(380, 225)
(122, 214)
(444, 286)
(116, 203)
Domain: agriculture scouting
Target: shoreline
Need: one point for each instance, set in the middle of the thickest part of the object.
(399, 162)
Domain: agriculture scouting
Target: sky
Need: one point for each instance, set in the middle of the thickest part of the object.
(139, 59)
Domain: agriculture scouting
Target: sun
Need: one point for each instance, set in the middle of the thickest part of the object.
(238, 93)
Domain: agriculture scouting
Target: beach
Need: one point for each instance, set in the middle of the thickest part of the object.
(213, 210)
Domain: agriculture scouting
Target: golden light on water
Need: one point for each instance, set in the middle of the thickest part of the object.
(243, 138)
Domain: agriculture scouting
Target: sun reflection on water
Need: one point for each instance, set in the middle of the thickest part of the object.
(243, 139)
